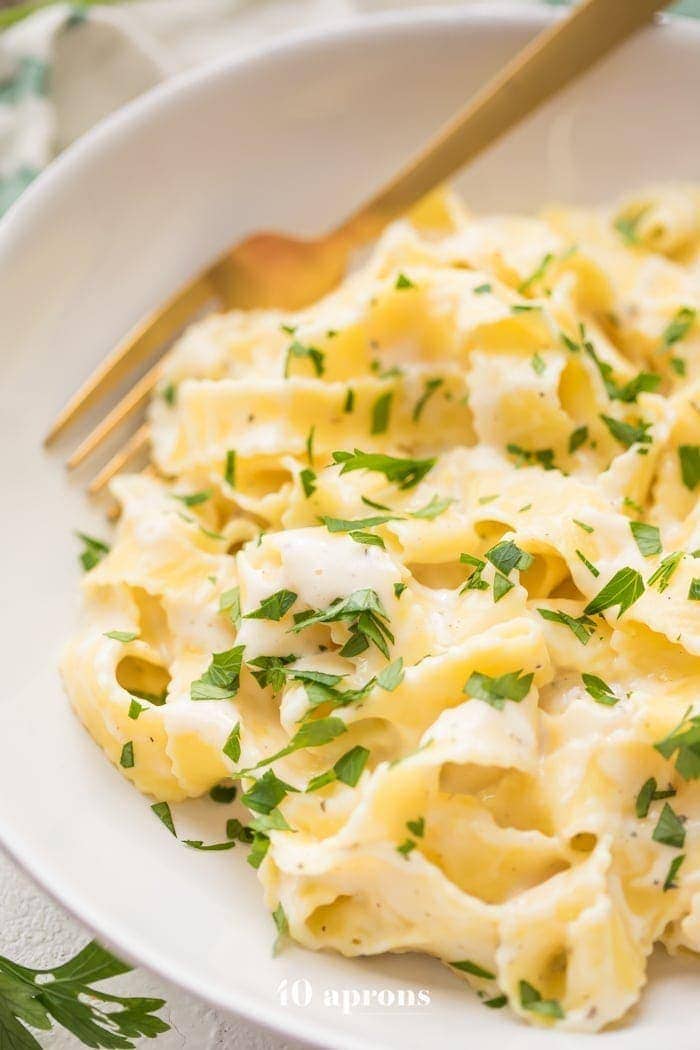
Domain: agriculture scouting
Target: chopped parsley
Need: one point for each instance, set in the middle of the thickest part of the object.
(501, 586)
(392, 676)
(406, 847)
(678, 327)
(351, 525)
(274, 607)
(399, 588)
(402, 282)
(689, 457)
(536, 275)
(416, 827)
(694, 590)
(370, 539)
(270, 670)
(310, 445)
(221, 679)
(312, 353)
(223, 794)
(380, 412)
(626, 226)
(193, 499)
(162, 811)
(347, 769)
(647, 538)
(404, 472)
(431, 385)
(669, 830)
(279, 918)
(169, 394)
(581, 626)
(495, 691)
(577, 438)
(310, 734)
(648, 793)
(366, 618)
(474, 580)
(126, 759)
(543, 457)
(135, 709)
(432, 509)
(122, 636)
(628, 434)
(94, 551)
(308, 481)
(539, 365)
(507, 556)
(467, 966)
(582, 525)
(665, 570)
(482, 289)
(230, 602)
(678, 365)
(232, 747)
(230, 468)
(599, 690)
(589, 564)
(674, 866)
(623, 590)
(266, 793)
(685, 740)
(644, 382)
(531, 999)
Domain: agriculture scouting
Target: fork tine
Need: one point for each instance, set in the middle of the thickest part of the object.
(155, 329)
(129, 449)
(121, 411)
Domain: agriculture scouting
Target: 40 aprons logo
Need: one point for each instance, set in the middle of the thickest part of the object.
(301, 993)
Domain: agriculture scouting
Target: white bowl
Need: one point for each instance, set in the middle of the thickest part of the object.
(291, 137)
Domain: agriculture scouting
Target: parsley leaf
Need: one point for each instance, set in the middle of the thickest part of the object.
(623, 590)
(65, 994)
(531, 999)
(647, 538)
(403, 282)
(581, 626)
(222, 794)
(404, 472)
(628, 434)
(647, 794)
(274, 607)
(684, 739)
(673, 869)
(507, 556)
(599, 690)
(669, 830)
(310, 734)
(432, 509)
(230, 602)
(536, 275)
(230, 468)
(665, 570)
(308, 481)
(366, 618)
(416, 827)
(122, 636)
(406, 847)
(467, 966)
(482, 289)
(192, 499)
(589, 564)
(678, 327)
(350, 525)
(271, 670)
(380, 412)
(392, 676)
(221, 679)
(694, 590)
(347, 769)
(232, 747)
(266, 793)
(315, 356)
(627, 392)
(543, 457)
(431, 385)
(577, 438)
(495, 691)
(94, 551)
(162, 811)
(689, 456)
(474, 581)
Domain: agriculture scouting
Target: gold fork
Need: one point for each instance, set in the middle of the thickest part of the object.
(274, 269)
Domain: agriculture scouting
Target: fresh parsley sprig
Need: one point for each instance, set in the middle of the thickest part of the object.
(64, 994)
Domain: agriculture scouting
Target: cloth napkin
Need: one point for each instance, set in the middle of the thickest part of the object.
(68, 65)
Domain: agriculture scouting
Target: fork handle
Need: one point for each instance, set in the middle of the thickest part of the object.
(548, 63)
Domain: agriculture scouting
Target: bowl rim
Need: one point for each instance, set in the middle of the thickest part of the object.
(113, 129)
